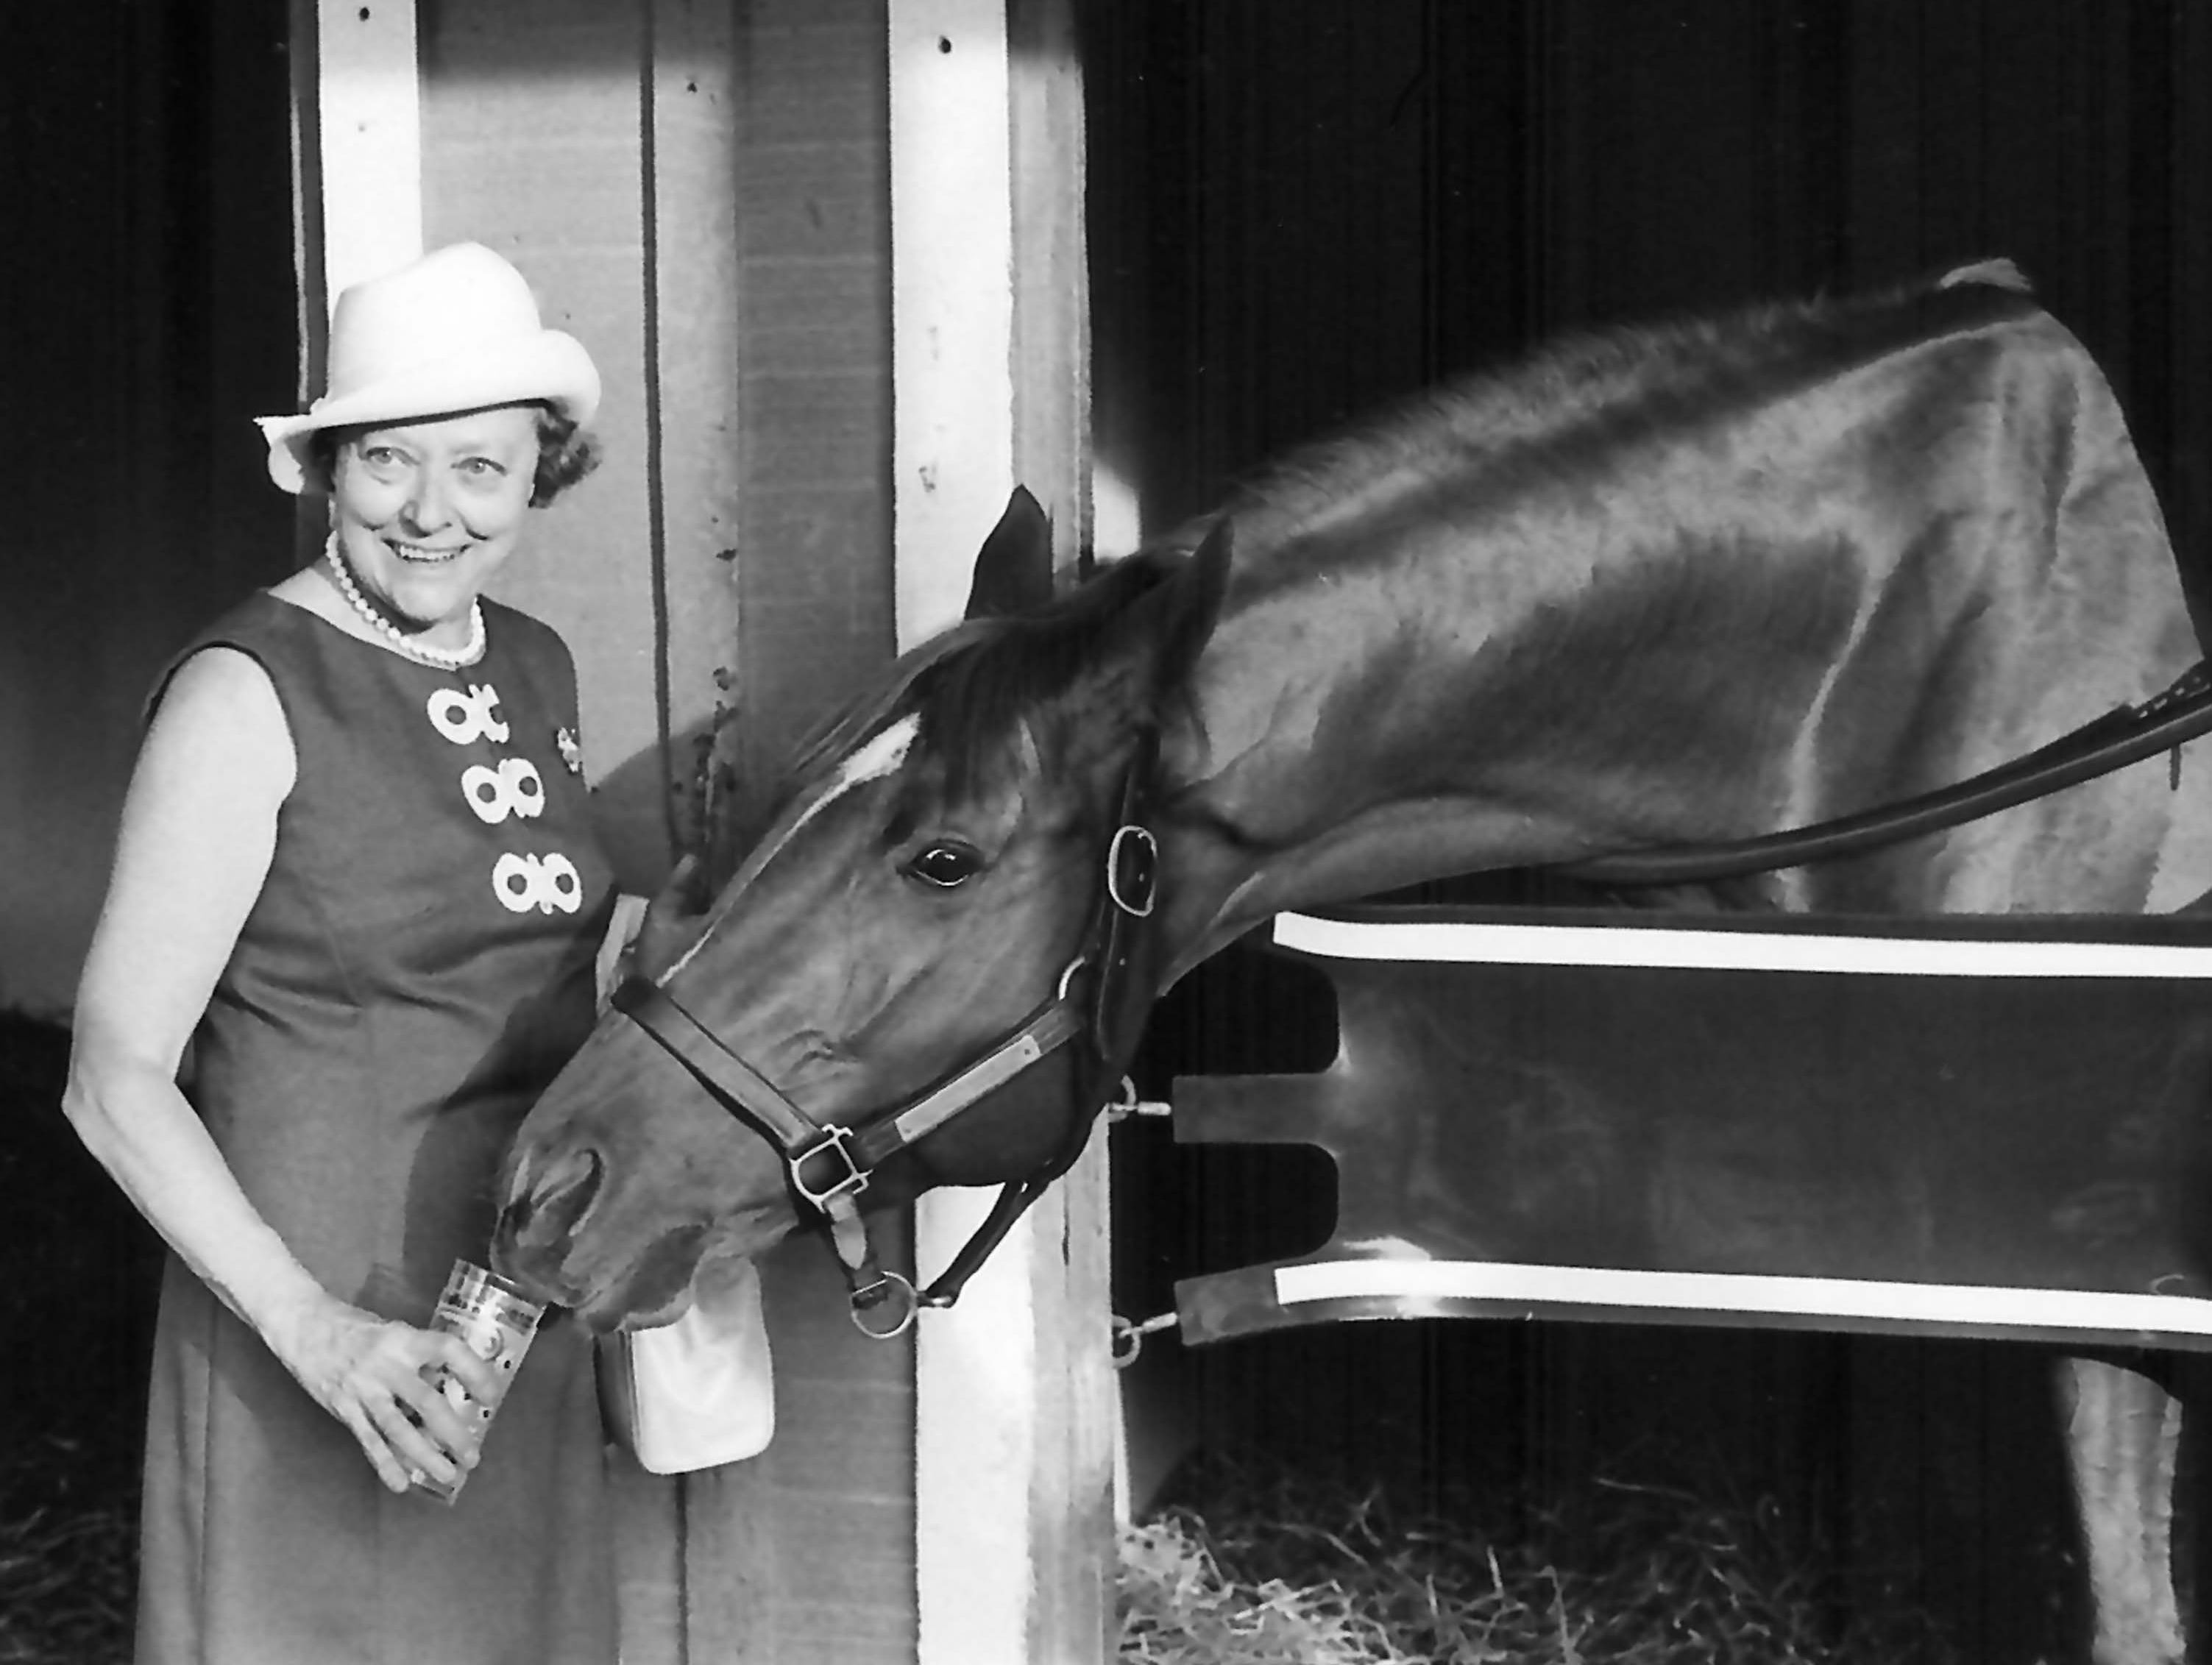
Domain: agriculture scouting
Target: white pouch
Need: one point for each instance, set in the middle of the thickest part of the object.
(697, 1393)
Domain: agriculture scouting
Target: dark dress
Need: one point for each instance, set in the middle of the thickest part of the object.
(417, 966)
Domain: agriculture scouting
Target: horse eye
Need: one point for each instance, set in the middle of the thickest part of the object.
(944, 865)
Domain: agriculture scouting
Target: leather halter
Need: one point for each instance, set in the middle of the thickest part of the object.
(830, 1163)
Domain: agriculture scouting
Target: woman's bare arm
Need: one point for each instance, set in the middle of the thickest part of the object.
(198, 834)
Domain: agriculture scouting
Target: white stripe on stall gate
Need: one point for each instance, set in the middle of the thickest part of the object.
(1688, 949)
(1744, 1293)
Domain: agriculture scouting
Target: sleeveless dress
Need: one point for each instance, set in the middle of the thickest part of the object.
(416, 967)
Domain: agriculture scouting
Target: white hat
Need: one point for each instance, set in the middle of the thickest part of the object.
(456, 330)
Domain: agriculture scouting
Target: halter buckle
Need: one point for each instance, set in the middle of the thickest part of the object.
(832, 1144)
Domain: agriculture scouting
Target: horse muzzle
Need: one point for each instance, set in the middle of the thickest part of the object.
(534, 1240)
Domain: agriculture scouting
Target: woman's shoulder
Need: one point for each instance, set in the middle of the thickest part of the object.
(499, 615)
(282, 638)
(219, 671)
(228, 657)
(530, 637)
(253, 620)
(219, 711)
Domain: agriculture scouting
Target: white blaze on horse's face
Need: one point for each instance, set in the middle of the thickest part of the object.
(874, 927)
(880, 756)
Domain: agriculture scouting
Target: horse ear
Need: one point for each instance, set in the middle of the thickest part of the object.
(1164, 628)
(1192, 601)
(1013, 570)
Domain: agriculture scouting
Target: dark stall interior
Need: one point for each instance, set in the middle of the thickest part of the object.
(1301, 211)
(150, 273)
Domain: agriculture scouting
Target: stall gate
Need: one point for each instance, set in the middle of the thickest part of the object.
(1983, 1126)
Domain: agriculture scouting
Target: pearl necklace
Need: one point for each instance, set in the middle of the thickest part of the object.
(442, 659)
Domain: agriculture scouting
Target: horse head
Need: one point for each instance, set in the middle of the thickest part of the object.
(929, 886)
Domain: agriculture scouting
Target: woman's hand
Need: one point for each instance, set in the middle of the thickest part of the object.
(379, 1378)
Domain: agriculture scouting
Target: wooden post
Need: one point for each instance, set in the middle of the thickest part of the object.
(1014, 1448)
(357, 174)
(1072, 1514)
(369, 132)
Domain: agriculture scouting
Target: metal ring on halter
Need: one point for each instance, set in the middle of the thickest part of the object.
(901, 1294)
(1126, 1105)
(1129, 1337)
(1074, 968)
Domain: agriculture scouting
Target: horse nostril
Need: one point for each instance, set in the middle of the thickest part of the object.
(556, 1202)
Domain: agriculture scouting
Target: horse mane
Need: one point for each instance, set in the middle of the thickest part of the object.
(1581, 397)
(973, 685)
(1581, 393)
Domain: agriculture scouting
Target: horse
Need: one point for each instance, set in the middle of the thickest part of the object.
(1649, 587)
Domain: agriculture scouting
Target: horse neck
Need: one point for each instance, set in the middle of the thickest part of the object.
(1734, 641)
(1421, 745)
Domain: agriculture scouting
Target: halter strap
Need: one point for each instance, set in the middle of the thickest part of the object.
(738, 1084)
(831, 1164)
(1121, 995)
(745, 1090)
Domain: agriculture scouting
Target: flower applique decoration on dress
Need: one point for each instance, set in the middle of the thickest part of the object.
(464, 719)
(572, 750)
(514, 788)
(549, 884)
(511, 787)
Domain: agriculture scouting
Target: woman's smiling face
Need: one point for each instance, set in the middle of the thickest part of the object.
(427, 511)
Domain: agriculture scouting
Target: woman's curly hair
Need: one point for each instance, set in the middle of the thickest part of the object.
(566, 453)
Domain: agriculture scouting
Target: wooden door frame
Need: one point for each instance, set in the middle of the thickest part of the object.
(1014, 1402)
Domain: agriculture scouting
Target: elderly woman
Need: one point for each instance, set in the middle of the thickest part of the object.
(356, 870)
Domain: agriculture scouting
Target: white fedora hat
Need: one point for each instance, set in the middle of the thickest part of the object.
(455, 331)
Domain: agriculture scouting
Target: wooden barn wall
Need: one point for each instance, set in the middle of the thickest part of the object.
(702, 191)
(813, 245)
(821, 1566)
(1302, 209)
(148, 277)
